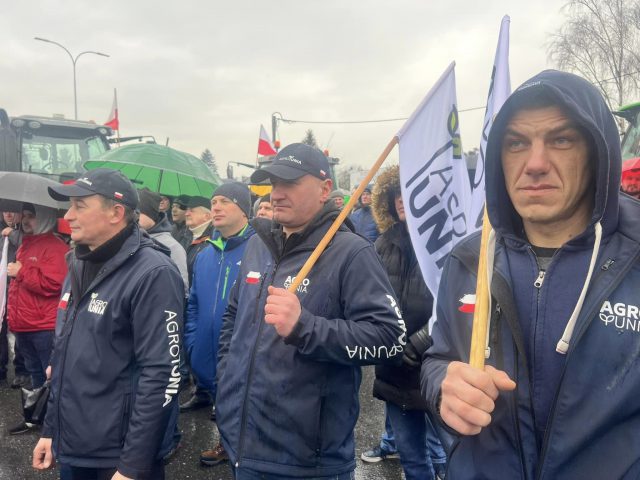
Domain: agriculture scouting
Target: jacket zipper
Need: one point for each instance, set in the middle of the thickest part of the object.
(226, 281)
(64, 360)
(517, 419)
(251, 366)
(215, 304)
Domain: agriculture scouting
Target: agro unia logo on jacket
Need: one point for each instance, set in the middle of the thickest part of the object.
(96, 305)
(620, 315)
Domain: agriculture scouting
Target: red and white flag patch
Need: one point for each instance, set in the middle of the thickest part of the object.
(118, 195)
(468, 303)
(253, 277)
(64, 301)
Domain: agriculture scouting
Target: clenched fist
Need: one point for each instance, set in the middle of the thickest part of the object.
(469, 395)
(282, 310)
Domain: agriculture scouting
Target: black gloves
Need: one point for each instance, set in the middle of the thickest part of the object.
(417, 344)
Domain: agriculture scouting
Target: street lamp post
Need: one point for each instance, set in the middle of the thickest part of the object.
(73, 61)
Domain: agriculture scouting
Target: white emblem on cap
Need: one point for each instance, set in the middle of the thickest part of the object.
(293, 159)
(84, 180)
(323, 173)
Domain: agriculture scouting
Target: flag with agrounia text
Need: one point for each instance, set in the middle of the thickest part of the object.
(264, 143)
(114, 121)
(499, 91)
(434, 179)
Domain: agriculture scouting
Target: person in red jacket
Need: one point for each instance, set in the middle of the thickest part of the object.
(38, 273)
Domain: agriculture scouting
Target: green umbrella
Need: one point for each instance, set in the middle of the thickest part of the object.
(160, 169)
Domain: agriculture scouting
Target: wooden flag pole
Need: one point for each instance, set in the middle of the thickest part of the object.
(341, 218)
(481, 311)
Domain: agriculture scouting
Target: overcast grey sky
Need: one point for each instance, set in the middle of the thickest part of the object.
(206, 74)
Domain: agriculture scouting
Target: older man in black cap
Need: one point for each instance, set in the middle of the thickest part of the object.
(180, 231)
(289, 363)
(115, 364)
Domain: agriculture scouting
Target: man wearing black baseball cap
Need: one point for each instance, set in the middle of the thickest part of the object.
(115, 363)
(294, 358)
(180, 230)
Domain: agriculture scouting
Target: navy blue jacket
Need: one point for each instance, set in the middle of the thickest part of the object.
(214, 272)
(364, 223)
(572, 416)
(115, 364)
(289, 406)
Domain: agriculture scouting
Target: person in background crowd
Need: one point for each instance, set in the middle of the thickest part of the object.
(214, 273)
(265, 209)
(180, 231)
(288, 363)
(362, 218)
(10, 228)
(155, 223)
(37, 275)
(338, 198)
(115, 366)
(631, 179)
(558, 397)
(198, 220)
(416, 440)
(166, 204)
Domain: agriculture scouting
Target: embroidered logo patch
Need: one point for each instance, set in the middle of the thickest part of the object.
(621, 316)
(64, 301)
(253, 277)
(97, 306)
(468, 303)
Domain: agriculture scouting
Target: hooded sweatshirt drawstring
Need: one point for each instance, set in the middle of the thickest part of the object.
(563, 343)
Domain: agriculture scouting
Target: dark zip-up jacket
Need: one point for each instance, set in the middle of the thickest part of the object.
(115, 364)
(572, 416)
(288, 406)
(195, 247)
(215, 270)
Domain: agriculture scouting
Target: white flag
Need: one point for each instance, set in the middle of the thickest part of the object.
(3, 279)
(434, 179)
(499, 90)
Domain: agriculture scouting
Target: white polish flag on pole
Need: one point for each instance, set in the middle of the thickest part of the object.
(499, 91)
(434, 179)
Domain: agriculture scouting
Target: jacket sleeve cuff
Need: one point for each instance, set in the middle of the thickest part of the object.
(296, 336)
(130, 472)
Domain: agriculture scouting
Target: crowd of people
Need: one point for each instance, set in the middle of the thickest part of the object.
(150, 296)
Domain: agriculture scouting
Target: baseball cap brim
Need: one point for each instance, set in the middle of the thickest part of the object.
(62, 193)
(285, 172)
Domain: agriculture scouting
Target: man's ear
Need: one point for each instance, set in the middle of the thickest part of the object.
(326, 188)
(118, 213)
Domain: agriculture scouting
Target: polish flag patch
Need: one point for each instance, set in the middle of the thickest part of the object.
(64, 301)
(118, 195)
(253, 277)
(468, 303)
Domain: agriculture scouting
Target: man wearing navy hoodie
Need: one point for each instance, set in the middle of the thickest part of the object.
(558, 398)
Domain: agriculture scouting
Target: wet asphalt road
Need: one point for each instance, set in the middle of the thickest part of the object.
(199, 433)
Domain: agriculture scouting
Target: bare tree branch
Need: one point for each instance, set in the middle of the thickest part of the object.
(600, 40)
